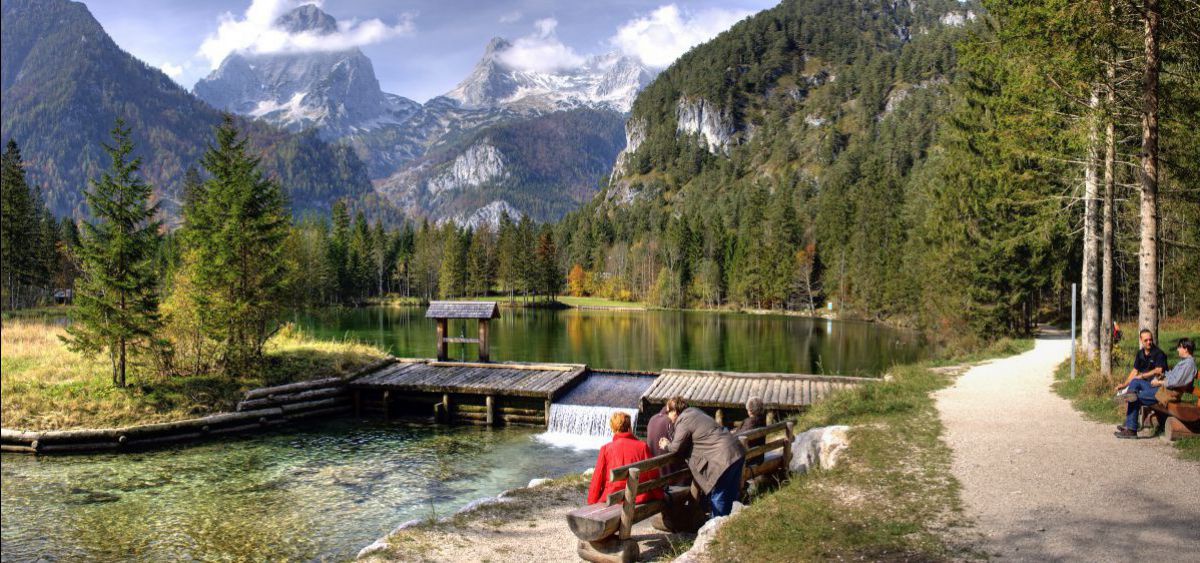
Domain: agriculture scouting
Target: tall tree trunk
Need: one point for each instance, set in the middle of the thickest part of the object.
(1106, 284)
(1148, 253)
(1090, 337)
(121, 365)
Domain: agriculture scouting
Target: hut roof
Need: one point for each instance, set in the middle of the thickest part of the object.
(463, 310)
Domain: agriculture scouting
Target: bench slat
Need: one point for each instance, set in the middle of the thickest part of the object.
(594, 522)
(759, 432)
(622, 473)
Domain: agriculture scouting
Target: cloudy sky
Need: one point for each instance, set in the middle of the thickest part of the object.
(420, 48)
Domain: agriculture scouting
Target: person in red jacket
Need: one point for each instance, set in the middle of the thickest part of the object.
(623, 450)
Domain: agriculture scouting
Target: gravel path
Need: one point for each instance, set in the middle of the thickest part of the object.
(1044, 484)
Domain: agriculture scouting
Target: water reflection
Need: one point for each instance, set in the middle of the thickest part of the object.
(643, 340)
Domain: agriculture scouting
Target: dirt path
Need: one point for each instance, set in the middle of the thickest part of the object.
(1044, 484)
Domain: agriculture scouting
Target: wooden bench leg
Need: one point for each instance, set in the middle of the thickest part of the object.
(611, 550)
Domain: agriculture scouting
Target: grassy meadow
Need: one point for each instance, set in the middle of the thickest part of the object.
(45, 386)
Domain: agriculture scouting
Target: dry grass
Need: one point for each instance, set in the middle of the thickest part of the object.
(45, 386)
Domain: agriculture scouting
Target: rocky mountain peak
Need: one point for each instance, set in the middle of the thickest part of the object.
(308, 17)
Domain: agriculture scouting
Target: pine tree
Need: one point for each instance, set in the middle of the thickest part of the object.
(116, 305)
(19, 230)
(452, 277)
(549, 277)
(235, 232)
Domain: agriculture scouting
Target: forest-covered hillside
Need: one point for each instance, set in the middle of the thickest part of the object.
(872, 154)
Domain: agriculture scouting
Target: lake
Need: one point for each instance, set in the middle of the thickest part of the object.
(640, 340)
(324, 491)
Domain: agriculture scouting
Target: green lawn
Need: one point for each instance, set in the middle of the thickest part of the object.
(891, 498)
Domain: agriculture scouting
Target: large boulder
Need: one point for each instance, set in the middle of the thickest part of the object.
(819, 448)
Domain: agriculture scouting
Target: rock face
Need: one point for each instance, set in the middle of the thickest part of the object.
(635, 135)
(819, 448)
(488, 215)
(479, 164)
(697, 116)
(609, 81)
(335, 92)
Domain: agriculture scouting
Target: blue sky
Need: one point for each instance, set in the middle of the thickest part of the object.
(420, 48)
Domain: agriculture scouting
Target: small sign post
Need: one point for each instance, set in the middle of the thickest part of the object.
(1073, 297)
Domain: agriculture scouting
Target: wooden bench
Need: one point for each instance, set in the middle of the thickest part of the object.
(1178, 419)
(605, 529)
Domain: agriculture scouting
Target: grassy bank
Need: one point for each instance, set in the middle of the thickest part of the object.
(892, 497)
(1092, 395)
(44, 386)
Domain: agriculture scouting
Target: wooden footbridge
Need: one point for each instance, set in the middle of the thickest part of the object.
(516, 393)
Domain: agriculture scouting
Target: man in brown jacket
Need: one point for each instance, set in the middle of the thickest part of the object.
(713, 454)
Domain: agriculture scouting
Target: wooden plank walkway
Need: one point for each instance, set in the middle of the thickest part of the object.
(722, 389)
(507, 379)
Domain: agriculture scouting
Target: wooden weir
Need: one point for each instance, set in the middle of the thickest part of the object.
(471, 393)
(726, 392)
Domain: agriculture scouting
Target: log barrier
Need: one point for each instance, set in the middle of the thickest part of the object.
(261, 408)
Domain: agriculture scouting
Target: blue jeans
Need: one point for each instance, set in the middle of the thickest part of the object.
(1145, 393)
(727, 490)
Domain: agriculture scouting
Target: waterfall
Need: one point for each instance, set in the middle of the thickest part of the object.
(582, 426)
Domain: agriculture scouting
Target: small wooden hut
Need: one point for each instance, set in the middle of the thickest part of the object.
(443, 311)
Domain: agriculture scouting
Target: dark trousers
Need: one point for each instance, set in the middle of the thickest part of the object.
(1145, 393)
(727, 490)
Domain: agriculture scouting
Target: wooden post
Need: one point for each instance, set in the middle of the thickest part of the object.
(787, 450)
(446, 407)
(627, 509)
(547, 414)
(387, 405)
(720, 417)
(491, 410)
(441, 340)
(770, 417)
(484, 353)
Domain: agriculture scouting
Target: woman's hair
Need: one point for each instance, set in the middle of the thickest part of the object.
(754, 406)
(676, 404)
(619, 422)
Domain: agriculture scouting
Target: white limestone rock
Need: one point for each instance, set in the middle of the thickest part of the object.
(705, 536)
(713, 124)
(819, 448)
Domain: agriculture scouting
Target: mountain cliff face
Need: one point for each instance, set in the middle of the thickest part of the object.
(334, 92)
(542, 166)
(65, 82)
(432, 160)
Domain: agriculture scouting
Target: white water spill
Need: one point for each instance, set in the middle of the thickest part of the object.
(581, 427)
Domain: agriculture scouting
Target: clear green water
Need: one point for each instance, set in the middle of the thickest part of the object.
(642, 340)
(320, 493)
(323, 492)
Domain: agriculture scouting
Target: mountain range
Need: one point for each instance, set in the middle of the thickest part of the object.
(64, 82)
(450, 158)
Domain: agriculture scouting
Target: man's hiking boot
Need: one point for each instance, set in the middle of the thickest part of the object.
(1126, 398)
(1125, 433)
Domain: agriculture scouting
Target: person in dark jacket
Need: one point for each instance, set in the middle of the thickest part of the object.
(713, 454)
(1138, 390)
(657, 428)
(754, 408)
(623, 450)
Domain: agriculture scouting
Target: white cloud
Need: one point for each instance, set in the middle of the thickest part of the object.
(668, 32)
(541, 51)
(255, 32)
(173, 71)
(511, 17)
